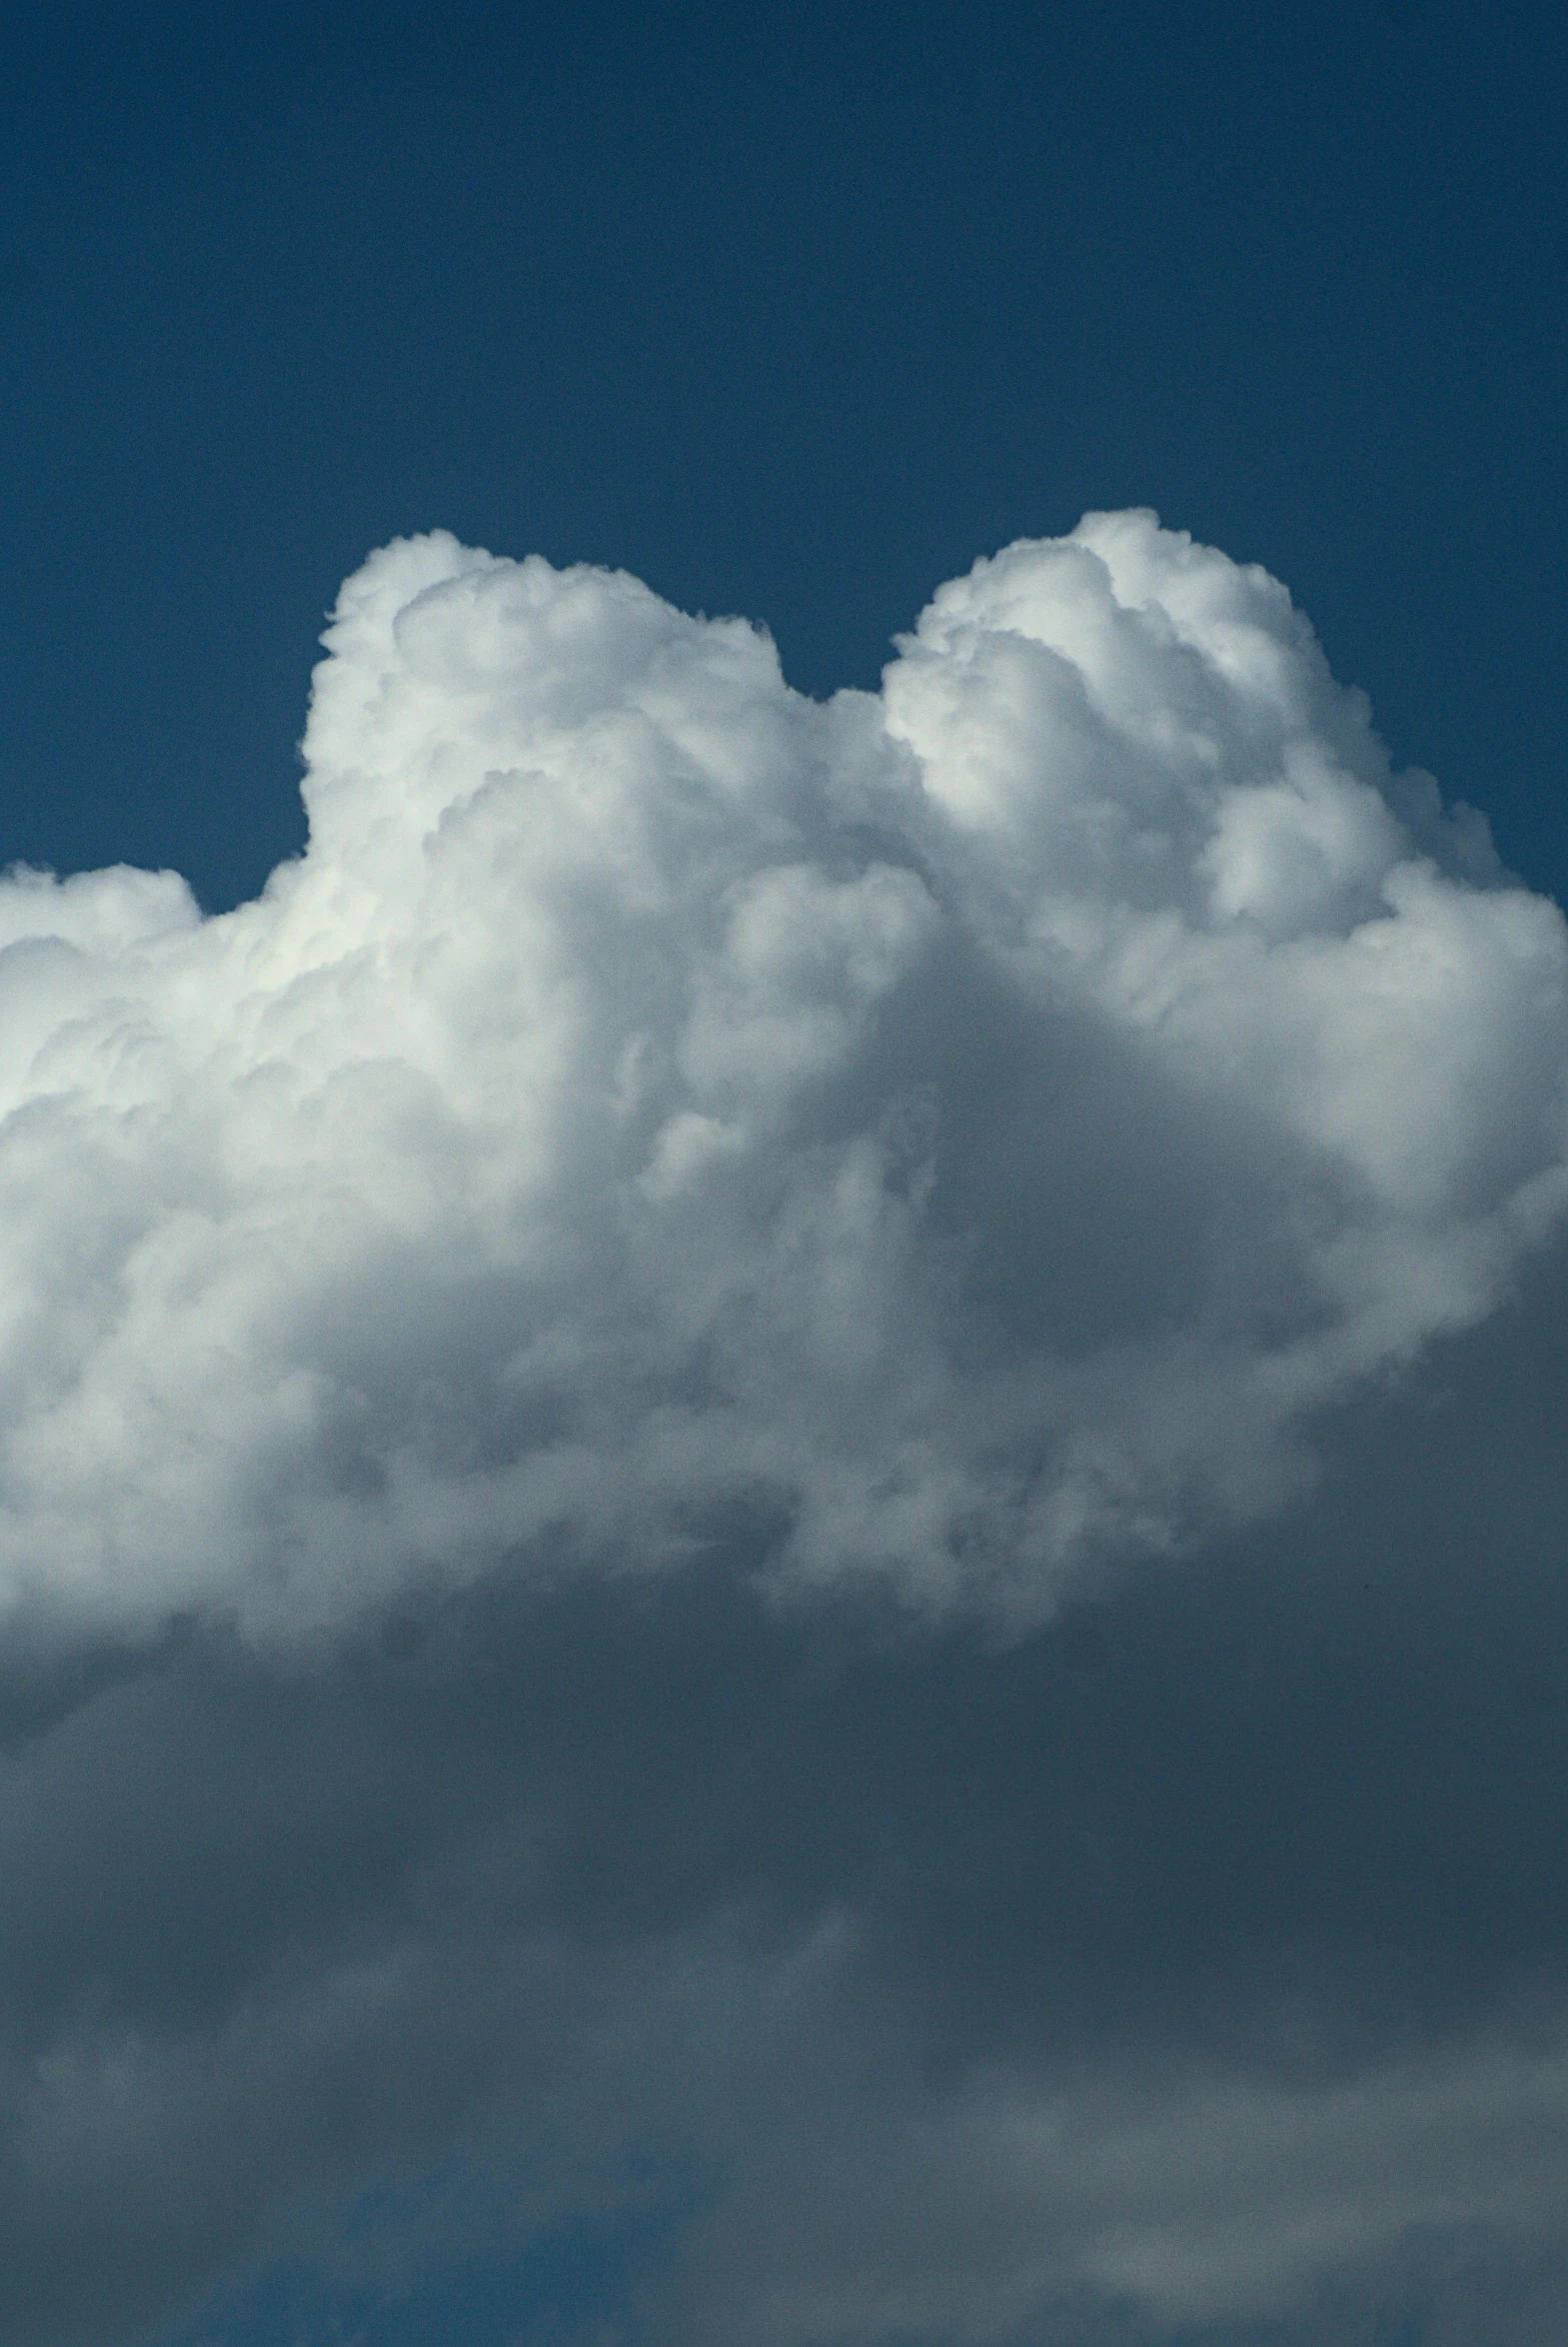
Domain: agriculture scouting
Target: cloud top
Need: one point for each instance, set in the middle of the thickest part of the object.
(944, 1136)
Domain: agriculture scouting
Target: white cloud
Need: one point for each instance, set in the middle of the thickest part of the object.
(969, 1128)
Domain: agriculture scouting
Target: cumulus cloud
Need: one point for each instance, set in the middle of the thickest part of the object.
(817, 1441)
(967, 1132)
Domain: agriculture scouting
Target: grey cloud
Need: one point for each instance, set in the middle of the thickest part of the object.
(1196, 1957)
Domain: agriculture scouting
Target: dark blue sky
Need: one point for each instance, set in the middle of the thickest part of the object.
(791, 312)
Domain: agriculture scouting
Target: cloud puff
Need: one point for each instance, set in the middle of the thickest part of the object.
(959, 1133)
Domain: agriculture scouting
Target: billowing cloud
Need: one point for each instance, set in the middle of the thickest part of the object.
(799, 1462)
(964, 1131)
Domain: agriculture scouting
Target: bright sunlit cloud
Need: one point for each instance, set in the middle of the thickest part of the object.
(966, 1131)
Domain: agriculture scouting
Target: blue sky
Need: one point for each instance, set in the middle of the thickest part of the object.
(605, 1742)
(789, 312)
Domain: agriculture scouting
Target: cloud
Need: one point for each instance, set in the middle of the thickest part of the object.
(967, 1130)
(1188, 1960)
(814, 1445)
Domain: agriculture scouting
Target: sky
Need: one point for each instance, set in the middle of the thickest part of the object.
(783, 1126)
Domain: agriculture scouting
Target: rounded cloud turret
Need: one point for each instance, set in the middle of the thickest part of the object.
(952, 1134)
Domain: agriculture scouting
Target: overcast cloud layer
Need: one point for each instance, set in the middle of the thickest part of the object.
(819, 1436)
